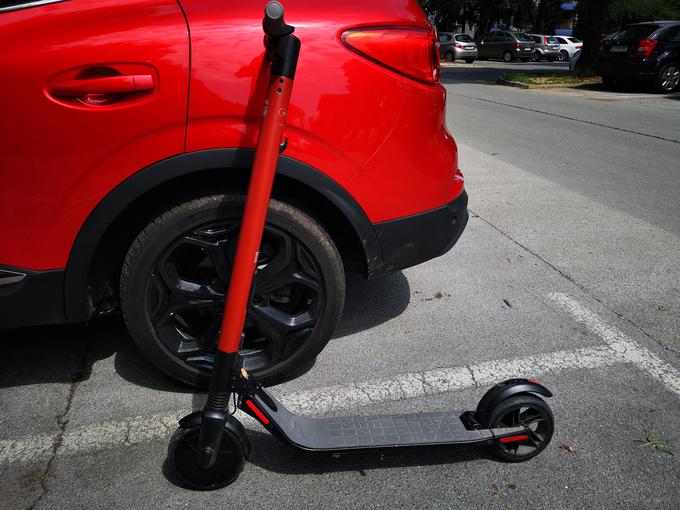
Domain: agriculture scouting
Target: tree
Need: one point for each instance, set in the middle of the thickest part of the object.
(547, 16)
(590, 25)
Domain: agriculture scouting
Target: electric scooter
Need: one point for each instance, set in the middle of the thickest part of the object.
(209, 448)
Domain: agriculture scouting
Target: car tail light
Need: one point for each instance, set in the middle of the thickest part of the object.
(645, 47)
(517, 45)
(409, 51)
(545, 41)
(458, 45)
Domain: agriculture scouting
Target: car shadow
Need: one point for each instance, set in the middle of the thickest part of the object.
(67, 353)
(272, 455)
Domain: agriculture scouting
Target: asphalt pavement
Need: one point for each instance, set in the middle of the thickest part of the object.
(567, 272)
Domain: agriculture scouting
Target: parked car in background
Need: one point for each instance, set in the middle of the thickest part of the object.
(457, 47)
(506, 45)
(647, 52)
(126, 146)
(547, 47)
(568, 46)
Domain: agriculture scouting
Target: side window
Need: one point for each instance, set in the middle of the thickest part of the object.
(562, 41)
(536, 39)
(487, 37)
(672, 34)
(444, 38)
(507, 37)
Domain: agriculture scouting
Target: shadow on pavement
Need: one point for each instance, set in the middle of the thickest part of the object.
(272, 455)
(67, 353)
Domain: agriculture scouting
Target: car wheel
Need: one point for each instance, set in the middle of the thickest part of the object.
(537, 56)
(668, 78)
(469, 60)
(564, 55)
(507, 56)
(449, 56)
(175, 276)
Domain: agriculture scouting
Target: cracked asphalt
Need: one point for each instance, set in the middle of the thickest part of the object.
(568, 271)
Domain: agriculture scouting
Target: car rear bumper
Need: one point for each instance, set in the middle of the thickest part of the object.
(463, 54)
(408, 241)
(630, 70)
(545, 53)
(30, 297)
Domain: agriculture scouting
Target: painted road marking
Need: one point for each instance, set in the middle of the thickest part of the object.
(625, 348)
(87, 439)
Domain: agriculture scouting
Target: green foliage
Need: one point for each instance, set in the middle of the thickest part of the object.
(622, 12)
(659, 444)
(542, 16)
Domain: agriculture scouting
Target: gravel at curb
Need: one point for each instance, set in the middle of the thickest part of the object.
(521, 85)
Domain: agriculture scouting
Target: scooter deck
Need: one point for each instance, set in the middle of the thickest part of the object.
(367, 432)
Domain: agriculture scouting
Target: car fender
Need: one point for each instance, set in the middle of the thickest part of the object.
(117, 200)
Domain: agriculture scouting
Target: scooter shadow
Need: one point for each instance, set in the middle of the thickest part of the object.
(272, 455)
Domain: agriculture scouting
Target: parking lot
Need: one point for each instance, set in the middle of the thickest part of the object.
(569, 272)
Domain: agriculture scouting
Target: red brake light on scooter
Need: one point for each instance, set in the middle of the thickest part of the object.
(412, 52)
(645, 47)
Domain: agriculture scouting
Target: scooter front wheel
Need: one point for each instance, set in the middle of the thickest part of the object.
(534, 415)
(183, 459)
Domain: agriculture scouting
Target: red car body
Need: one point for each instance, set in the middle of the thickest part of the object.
(81, 169)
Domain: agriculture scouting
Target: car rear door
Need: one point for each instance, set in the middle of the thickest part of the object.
(92, 92)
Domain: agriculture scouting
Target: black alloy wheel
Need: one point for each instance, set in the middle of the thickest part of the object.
(176, 275)
(668, 78)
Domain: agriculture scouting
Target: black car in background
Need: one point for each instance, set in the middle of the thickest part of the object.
(642, 52)
(506, 45)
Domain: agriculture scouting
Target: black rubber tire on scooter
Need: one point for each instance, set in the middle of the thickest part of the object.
(527, 410)
(285, 328)
(184, 465)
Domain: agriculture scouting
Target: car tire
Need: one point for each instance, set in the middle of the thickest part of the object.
(507, 56)
(449, 56)
(181, 261)
(537, 56)
(667, 79)
(564, 55)
(469, 60)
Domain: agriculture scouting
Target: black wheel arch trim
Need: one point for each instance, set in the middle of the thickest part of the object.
(117, 200)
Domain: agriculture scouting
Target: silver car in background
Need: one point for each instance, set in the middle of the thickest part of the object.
(454, 47)
(568, 46)
(547, 47)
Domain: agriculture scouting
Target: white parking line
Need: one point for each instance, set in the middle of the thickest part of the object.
(88, 439)
(625, 348)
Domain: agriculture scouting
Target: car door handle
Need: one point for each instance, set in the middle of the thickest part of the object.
(124, 84)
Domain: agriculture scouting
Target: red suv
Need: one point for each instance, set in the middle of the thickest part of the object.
(127, 137)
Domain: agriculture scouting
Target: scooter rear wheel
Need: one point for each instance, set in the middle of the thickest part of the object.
(183, 459)
(522, 410)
